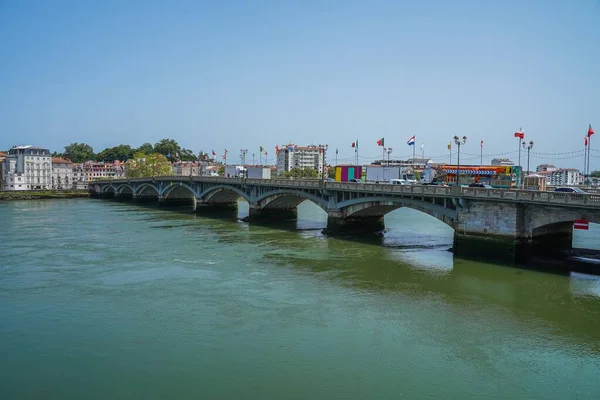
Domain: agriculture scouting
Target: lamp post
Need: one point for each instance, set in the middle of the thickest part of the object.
(243, 153)
(458, 141)
(388, 150)
(528, 147)
(323, 149)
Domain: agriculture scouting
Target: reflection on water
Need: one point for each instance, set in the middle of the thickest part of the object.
(170, 304)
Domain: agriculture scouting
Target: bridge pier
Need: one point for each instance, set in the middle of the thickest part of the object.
(269, 215)
(144, 199)
(124, 196)
(177, 202)
(338, 225)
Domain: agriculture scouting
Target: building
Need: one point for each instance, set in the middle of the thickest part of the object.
(563, 177)
(2, 158)
(503, 162)
(62, 174)
(188, 168)
(545, 168)
(88, 171)
(291, 156)
(27, 168)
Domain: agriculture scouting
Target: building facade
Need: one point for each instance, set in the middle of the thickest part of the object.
(291, 156)
(188, 168)
(27, 168)
(503, 162)
(62, 174)
(563, 177)
(545, 168)
(88, 171)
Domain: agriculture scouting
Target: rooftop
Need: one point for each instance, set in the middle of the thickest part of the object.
(58, 160)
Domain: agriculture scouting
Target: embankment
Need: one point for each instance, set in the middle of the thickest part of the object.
(42, 194)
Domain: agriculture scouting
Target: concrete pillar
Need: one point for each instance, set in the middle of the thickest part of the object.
(267, 215)
(338, 225)
(486, 247)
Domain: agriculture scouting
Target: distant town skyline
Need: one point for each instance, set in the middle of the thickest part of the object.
(240, 75)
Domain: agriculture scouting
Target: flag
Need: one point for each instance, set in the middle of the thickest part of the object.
(411, 141)
(214, 154)
(381, 142)
(224, 156)
(353, 144)
(481, 144)
(276, 149)
(261, 149)
(520, 134)
(449, 145)
(225, 151)
(590, 131)
(585, 140)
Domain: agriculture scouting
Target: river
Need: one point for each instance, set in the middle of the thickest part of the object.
(108, 300)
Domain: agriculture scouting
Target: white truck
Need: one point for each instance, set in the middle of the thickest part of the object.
(381, 174)
(235, 171)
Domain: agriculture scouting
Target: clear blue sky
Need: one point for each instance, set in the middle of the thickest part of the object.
(233, 74)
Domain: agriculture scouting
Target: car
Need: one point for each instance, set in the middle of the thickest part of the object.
(480, 185)
(399, 182)
(356, 181)
(569, 190)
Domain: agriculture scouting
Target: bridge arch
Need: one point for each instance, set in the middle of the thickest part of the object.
(125, 189)
(223, 194)
(108, 189)
(288, 199)
(380, 206)
(147, 190)
(176, 189)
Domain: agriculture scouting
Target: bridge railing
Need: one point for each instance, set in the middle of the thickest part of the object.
(527, 196)
(530, 196)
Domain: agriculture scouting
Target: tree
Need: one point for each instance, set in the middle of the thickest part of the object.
(167, 147)
(122, 152)
(595, 174)
(331, 172)
(146, 148)
(300, 173)
(187, 155)
(143, 165)
(79, 152)
(221, 170)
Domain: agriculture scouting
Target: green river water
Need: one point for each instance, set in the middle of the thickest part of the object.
(108, 300)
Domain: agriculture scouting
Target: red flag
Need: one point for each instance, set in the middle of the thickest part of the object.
(276, 149)
(214, 154)
(585, 140)
(520, 134)
(380, 142)
(590, 131)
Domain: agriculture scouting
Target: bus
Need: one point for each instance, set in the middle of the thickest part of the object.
(497, 176)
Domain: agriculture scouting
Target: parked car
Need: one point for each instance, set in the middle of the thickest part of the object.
(399, 182)
(480, 185)
(569, 190)
(356, 181)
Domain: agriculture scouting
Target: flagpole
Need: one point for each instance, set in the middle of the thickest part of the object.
(481, 155)
(585, 158)
(450, 148)
(588, 155)
(413, 159)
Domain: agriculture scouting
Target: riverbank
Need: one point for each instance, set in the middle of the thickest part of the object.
(42, 194)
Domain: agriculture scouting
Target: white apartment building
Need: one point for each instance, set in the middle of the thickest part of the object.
(62, 174)
(27, 168)
(563, 177)
(292, 156)
(502, 162)
(545, 168)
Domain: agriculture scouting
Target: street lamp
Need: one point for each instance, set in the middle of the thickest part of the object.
(243, 153)
(388, 150)
(323, 149)
(458, 141)
(528, 147)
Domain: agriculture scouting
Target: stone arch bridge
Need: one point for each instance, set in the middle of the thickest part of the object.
(488, 223)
